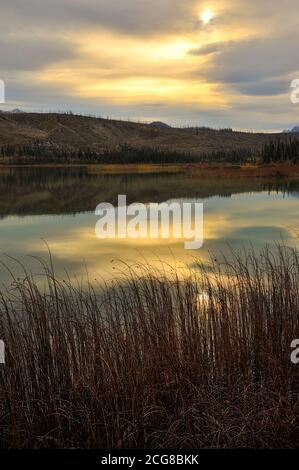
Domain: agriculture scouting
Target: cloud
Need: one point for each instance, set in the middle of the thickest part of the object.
(130, 16)
(32, 52)
(209, 49)
(265, 88)
(255, 59)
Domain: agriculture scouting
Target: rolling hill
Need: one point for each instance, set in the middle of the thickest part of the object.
(82, 132)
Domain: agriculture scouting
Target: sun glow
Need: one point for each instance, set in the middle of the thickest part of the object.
(207, 16)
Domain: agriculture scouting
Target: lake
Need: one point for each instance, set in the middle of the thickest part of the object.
(57, 205)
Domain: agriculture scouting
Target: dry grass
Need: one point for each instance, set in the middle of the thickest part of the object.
(154, 361)
(205, 170)
(276, 170)
(202, 170)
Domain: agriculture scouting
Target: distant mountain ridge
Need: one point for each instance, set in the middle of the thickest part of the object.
(294, 130)
(160, 124)
(13, 111)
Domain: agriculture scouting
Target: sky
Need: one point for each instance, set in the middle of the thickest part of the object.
(224, 63)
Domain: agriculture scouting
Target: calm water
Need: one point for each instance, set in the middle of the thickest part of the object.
(58, 205)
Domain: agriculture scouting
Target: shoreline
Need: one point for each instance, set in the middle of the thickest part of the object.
(279, 170)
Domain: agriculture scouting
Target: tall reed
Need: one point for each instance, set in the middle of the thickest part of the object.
(154, 360)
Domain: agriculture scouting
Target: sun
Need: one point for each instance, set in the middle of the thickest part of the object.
(207, 16)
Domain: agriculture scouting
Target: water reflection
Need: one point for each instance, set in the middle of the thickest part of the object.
(57, 204)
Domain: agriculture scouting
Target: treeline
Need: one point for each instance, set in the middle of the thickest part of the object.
(281, 151)
(199, 129)
(50, 153)
(211, 129)
(40, 152)
(238, 156)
